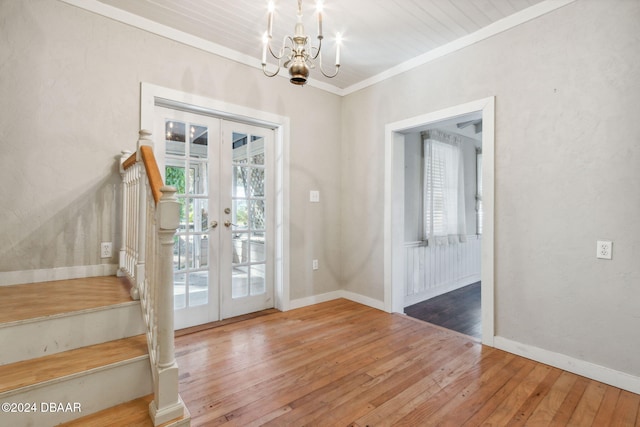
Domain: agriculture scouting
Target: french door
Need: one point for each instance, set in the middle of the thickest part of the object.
(223, 256)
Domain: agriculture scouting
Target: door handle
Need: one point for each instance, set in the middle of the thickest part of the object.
(228, 224)
(214, 224)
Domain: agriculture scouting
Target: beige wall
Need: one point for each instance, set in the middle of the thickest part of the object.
(69, 102)
(567, 173)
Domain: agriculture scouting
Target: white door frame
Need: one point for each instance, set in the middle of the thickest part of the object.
(394, 206)
(152, 95)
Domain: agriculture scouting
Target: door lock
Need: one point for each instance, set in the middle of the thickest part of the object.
(227, 210)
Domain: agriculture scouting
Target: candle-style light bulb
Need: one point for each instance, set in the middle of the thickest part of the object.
(338, 43)
(319, 8)
(271, 7)
(265, 42)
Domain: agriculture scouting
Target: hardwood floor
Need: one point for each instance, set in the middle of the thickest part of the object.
(344, 364)
(458, 310)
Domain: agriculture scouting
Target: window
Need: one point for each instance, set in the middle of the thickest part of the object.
(443, 188)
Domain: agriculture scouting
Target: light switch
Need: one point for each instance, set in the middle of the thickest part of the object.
(314, 196)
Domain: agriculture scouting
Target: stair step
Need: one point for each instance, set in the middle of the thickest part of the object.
(81, 381)
(51, 317)
(132, 413)
(37, 300)
(33, 372)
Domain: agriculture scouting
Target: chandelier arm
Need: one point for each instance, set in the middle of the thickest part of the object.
(325, 73)
(317, 49)
(330, 75)
(283, 49)
(264, 70)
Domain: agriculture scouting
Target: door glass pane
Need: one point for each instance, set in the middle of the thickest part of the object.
(240, 147)
(257, 280)
(179, 253)
(198, 288)
(186, 215)
(256, 182)
(201, 215)
(257, 150)
(198, 141)
(240, 181)
(240, 214)
(240, 282)
(240, 248)
(201, 251)
(198, 178)
(179, 287)
(190, 251)
(174, 176)
(257, 251)
(175, 137)
(257, 215)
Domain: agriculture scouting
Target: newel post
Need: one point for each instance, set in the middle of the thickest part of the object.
(167, 404)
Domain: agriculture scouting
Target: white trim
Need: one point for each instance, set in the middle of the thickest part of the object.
(314, 299)
(490, 30)
(58, 273)
(580, 367)
(330, 296)
(153, 27)
(281, 126)
(394, 211)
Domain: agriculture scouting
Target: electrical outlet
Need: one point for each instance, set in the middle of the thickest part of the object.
(604, 249)
(314, 264)
(106, 250)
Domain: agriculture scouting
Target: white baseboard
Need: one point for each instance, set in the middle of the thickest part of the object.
(314, 299)
(373, 303)
(329, 296)
(60, 273)
(439, 290)
(580, 367)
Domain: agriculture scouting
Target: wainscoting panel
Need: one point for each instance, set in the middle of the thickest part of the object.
(438, 269)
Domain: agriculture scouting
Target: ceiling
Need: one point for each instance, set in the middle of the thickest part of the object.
(379, 36)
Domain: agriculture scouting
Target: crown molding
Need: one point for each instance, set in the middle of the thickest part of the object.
(497, 27)
(145, 24)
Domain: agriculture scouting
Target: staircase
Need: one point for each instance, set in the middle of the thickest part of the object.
(72, 348)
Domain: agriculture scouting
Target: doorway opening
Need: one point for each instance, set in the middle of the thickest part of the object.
(443, 223)
(409, 278)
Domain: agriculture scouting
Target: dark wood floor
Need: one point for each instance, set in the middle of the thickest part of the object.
(458, 310)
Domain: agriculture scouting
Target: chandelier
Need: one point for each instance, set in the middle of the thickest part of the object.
(297, 57)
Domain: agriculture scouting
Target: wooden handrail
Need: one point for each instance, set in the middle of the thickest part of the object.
(151, 166)
(153, 172)
(129, 162)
